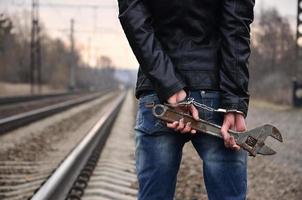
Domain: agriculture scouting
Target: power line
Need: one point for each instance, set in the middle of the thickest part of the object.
(94, 7)
(57, 11)
(70, 6)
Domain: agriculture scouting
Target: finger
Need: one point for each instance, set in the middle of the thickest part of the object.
(187, 128)
(227, 143)
(193, 131)
(224, 132)
(194, 112)
(172, 125)
(240, 128)
(232, 141)
(236, 147)
(181, 125)
(240, 123)
(233, 144)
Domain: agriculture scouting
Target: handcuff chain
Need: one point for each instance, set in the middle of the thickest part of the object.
(191, 100)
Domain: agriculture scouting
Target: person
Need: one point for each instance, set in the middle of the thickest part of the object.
(198, 49)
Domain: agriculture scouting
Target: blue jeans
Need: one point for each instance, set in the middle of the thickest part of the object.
(159, 152)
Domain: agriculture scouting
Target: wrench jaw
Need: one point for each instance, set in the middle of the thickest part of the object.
(275, 133)
(260, 149)
(253, 140)
(265, 150)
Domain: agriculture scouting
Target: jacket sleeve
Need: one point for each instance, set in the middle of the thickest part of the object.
(237, 15)
(136, 21)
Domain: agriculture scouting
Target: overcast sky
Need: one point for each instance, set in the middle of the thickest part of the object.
(98, 31)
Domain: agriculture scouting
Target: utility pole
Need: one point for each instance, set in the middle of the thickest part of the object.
(71, 58)
(39, 61)
(88, 49)
(35, 49)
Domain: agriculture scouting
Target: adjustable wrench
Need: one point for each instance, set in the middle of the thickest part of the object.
(252, 141)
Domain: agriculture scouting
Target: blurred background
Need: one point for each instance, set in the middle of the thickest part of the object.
(59, 46)
(39, 44)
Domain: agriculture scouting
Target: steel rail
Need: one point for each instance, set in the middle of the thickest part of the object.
(4, 100)
(61, 181)
(16, 121)
(26, 98)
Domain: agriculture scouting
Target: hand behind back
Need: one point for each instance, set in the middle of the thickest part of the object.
(231, 120)
(180, 125)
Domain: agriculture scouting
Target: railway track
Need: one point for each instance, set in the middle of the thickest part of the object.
(27, 98)
(20, 114)
(114, 176)
(111, 174)
(71, 178)
(11, 109)
(19, 179)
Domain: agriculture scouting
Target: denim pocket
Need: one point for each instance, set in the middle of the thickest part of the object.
(146, 122)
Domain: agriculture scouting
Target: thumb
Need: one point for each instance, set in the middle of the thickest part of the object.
(194, 112)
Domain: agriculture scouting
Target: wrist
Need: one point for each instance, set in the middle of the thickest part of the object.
(177, 97)
(236, 112)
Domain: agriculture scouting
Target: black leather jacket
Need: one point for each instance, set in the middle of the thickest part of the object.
(191, 44)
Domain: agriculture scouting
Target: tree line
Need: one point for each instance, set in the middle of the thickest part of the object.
(55, 54)
(273, 58)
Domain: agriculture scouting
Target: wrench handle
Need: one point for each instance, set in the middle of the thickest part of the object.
(170, 115)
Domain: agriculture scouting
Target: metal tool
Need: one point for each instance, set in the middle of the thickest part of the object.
(251, 141)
